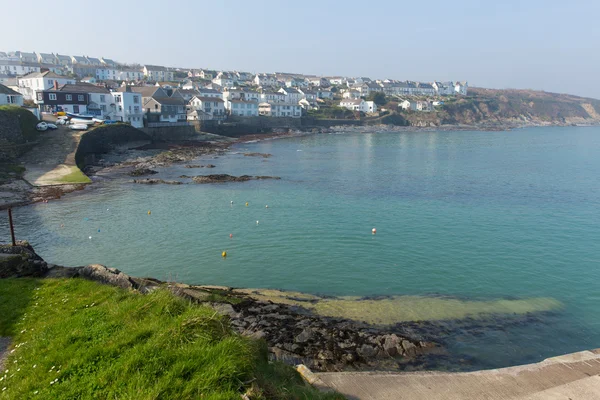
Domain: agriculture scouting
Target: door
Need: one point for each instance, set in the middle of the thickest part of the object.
(76, 109)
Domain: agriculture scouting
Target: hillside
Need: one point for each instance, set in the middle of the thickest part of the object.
(508, 108)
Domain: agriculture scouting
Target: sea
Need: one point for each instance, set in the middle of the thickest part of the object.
(471, 226)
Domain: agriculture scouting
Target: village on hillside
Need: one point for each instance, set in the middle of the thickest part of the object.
(144, 95)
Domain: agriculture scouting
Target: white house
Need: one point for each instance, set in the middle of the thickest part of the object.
(286, 110)
(129, 75)
(242, 108)
(93, 61)
(128, 106)
(461, 88)
(157, 73)
(165, 109)
(359, 105)
(292, 95)
(40, 81)
(214, 107)
(351, 94)
(80, 60)
(28, 57)
(336, 80)
(206, 92)
(272, 97)
(65, 61)
(106, 73)
(46, 58)
(14, 68)
(241, 94)
(404, 104)
(443, 88)
(420, 105)
(224, 79)
(9, 96)
(309, 95)
(265, 80)
(108, 62)
(325, 94)
(426, 89)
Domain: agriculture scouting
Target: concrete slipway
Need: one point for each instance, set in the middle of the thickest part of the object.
(573, 376)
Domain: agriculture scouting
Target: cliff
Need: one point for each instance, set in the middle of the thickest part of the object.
(510, 108)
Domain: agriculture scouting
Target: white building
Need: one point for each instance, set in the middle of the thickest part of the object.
(224, 79)
(15, 68)
(286, 110)
(128, 106)
(325, 94)
(461, 88)
(106, 73)
(351, 94)
(9, 96)
(214, 107)
(443, 88)
(336, 80)
(420, 105)
(265, 80)
(206, 92)
(65, 61)
(359, 105)
(81, 60)
(46, 58)
(40, 81)
(130, 75)
(27, 57)
(404, 104)
(242, 108)
(157, 73)
(272, 97)
(292, 95)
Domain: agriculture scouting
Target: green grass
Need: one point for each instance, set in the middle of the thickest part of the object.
(76, 176)
(77, 339)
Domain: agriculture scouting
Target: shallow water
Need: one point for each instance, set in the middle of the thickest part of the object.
(465, 221)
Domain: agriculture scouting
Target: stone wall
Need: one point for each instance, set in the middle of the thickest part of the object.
(173, 133)
(240, 126)
(103, 139)
(11, 136)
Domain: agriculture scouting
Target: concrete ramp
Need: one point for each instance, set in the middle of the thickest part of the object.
(573, 376)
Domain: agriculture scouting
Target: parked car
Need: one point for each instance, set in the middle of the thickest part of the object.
(42, 126)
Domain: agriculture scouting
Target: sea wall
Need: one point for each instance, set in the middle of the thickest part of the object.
(103, 139)
(241, 126)
(172, 133)
(11, 136)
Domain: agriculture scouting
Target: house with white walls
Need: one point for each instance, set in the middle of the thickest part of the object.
(404, 104)
(46, 58)
(129, 75)
(443, 88)
(157, 73)
(309, 95)
(242, 108)
(127, 106)
(265, 80)
(420, 105)
(461, 88)
(425, 89)
(351, 94)
(165, 109)
(15, 68)
(207, 92)
(81, 60)
(272, 97)
(336, 80)
(359, 105)
(10, 97)
(108, 62)
(292, 95)
(35, 82)
(27, 57)
(224, 79)
(212, 107)
(290, 110)
(325, 94)
(105, 73)
(65, 61)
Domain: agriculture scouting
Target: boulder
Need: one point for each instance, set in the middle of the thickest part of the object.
(20, 261)
(390, 344)
(142, 172)
(304, 336)
(409, 348)
(110, 276)
(366, 351)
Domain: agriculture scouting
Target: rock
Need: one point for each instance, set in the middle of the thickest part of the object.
(409, 348)
(367, 351)
(142, 172)
(304, 336)
(148, 181)
(264, 155)
(270, 307)
(221, 178)
(256, 335)
(194, 166)
(326, 355)
(225, 309)
(390, 344)
(21, 260)
(111, 276)
(210, 166)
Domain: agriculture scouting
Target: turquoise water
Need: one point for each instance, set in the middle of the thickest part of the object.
(471, 215)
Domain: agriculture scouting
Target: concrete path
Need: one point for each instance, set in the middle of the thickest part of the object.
(53, 158)
(572, 376)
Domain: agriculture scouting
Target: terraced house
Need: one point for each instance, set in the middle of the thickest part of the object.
(157, 73)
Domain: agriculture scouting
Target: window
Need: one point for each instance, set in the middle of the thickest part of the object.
(52, 96)
(50, 82)
(69, 97)
(40, 96)
(120, 108)
(75, 109)
(136, 99)
(136, 108)
(102, 98)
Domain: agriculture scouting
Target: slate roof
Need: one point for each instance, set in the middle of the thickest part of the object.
(155, 68)
(80, 88)
(145, 91)
(215, 99)
(9, 91)
(45, 74)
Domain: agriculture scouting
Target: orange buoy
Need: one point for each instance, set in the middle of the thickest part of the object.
(374, 231)
(230, 235)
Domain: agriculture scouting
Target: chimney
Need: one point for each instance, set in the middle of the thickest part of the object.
(55, 84)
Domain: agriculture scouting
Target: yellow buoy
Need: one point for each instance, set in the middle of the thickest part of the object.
(149, 212)
(224, 254)
(246, 204)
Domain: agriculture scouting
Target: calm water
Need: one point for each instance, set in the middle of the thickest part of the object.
(472, 215)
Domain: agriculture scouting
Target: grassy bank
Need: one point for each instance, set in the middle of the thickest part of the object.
(75, 176)
(79, 339)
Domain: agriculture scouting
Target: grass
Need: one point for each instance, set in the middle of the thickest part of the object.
(76, 176)
(77, 339)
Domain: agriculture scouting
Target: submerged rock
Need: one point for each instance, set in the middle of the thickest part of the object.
(142, 172)
(264, 155)
(149, 181)
(221, 178)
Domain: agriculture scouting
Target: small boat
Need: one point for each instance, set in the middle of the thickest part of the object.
(98, 120)
(79, 127)
(82, 121)
(80, 116)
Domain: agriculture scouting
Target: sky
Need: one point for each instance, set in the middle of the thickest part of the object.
(528, 44)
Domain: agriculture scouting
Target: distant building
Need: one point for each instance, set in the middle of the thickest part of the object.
(359, 105)
(444, 88)
(461, 88)
(242, 108)
(127, 106)
(45, 58)
(211, 107)
(35, 82)
(157, 73)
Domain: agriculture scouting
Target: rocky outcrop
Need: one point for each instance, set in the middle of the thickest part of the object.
(263, 155)
(200, 166)
(149, 181)
(142, 172)
(21, 260)
(221, 178)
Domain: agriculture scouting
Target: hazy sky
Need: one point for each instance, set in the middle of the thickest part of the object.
(540, 44)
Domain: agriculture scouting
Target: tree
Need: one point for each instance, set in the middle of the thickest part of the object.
(377, 97)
